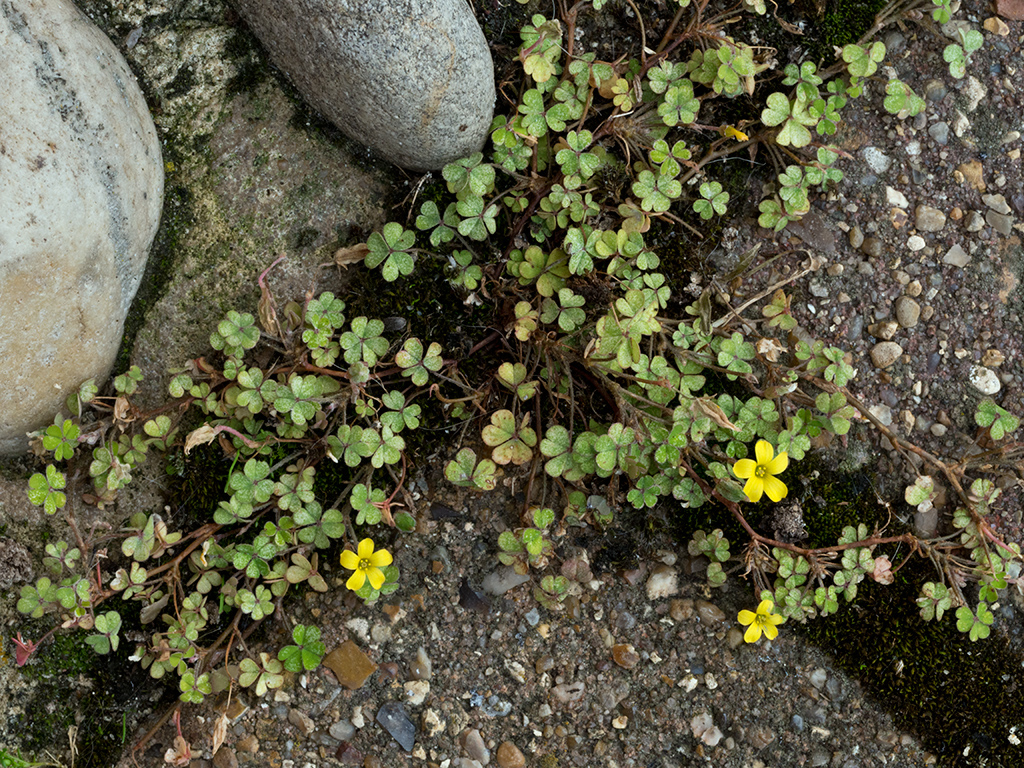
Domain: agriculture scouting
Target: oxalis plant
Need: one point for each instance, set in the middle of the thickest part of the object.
(606, 390)
(614, 392)
(299, 390)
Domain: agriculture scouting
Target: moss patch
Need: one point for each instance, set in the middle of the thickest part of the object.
(102, 696)
(957, 696)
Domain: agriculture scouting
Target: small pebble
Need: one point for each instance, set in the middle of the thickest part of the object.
(421, 668)
(984, 380)
(416, 692)
(877, 160)
(935, 90)
(999, 222)
(625, 655)
(956, 256)
(302, 721)
(394, 720)
(895, 197)
(974, 221)
(856, 237)
(342, 730)
(885, 353)
(872, 247)
(884, 330)
(350, 665)
(940, 133)
(664, 582)
(915, 243)
(818, 678)
(908, 311)
(502, 580)
(710, 613)
(432, 723)
(509, 756)
(681, 610)
(996, 202)
(568, 693)
(474, 745)
(929, 219)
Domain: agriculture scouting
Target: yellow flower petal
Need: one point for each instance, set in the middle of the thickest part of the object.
(747, 617)
(380, 558)
(765, 607)
(778, 465)
(753, 633)
(365, 549)
(744, 468)
(764, 452)
(376, 577)
(356, 580)
(775, 488)
(754, 488)
(350, 560)
(775, 619)
(770, 631)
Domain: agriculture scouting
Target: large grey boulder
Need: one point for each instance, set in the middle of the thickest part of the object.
(412, 79)
(81, 186)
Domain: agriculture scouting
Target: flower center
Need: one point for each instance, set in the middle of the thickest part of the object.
(364, 564)
(760, 471)
(761, 620)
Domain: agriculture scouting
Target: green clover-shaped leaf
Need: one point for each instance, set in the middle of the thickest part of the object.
(392, 247)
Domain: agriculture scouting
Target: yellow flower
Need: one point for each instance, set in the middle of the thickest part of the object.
(760, 474)
(730, 131)
(367, 564)
(762, 621)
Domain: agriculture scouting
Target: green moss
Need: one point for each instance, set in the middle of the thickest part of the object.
(841, 23)
(202, 476)
(251, 69)
(955, 695)
(102, 696)
(178, 214)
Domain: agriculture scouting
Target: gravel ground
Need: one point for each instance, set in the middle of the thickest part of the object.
(923, 260)
(644, 669)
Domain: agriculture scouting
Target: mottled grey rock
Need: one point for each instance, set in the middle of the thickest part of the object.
(928, 219)
(81, 187)
(15, 563)
(411, 79)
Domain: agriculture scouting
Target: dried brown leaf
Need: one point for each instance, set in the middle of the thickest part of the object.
(710, 408)
(352, 254)
(201, 436)
(220, 731)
